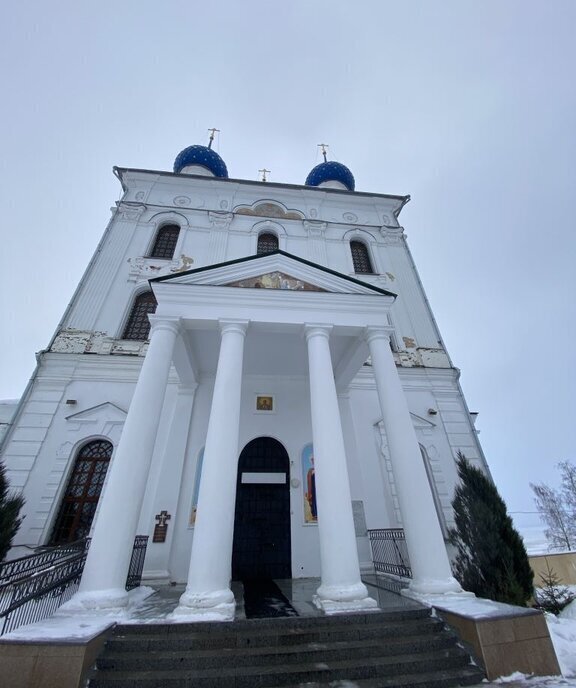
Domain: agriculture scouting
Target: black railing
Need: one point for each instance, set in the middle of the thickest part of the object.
(137, 562)
(39, 595)
(32, 588)
(389, 552)
(23, 567)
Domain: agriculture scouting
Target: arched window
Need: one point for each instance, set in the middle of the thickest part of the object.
(138, 325)
(361, 257)
(165, 243)
(82, 493)
(267, 242)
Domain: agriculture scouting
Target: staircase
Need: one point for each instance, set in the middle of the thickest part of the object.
(407, 648)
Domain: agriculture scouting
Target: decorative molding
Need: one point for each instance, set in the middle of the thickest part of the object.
(254, 267)
(392, 235)
(130, 211)
(350, 217)
(390, 220)
(315, 228)
(275, 280)
(70, 341)
(182, 200)
(269, 209)
(146, 268)
(220, 220)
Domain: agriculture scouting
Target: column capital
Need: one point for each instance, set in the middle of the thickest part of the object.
(163, 322)
(372, 333)
(239, 326)
(316, 330)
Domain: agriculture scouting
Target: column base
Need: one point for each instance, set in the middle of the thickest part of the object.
(218, 605)
(434, 586)
(336, 599)
(114, 599)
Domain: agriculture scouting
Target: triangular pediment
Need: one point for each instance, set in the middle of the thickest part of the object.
(275, 280)
(277, 270)
(106, 411)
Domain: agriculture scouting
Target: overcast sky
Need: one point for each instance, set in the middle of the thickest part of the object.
(468, 106)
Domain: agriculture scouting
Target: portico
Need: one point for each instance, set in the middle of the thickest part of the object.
(268, 315)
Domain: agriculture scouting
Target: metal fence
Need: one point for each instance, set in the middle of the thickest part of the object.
(137, 562)
(389, 551)
(23, 567)
(32, 588)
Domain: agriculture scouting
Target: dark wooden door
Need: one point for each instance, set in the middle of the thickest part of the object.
(262, 519)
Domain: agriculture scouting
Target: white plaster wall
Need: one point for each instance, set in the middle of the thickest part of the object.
(40, 448)
(212, 233)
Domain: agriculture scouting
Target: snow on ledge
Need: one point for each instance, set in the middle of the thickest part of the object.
(73, 627)
(468, 605)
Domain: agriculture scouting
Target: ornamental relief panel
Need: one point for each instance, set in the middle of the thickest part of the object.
(392, 235)
(130, 211)
(71, 341)
(142, 268)
(275, 280)
(267, 209)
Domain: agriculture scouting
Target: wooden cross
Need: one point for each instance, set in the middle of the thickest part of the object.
(324, 147)
(212, 133)
(264, 174)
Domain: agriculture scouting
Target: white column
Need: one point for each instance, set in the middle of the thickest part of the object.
(428, 557)
(208, 596)
(104, 579)
(341, 589)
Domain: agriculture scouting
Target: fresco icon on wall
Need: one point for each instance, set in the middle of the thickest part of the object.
(196, 487)
(309, 485)
(265, 402)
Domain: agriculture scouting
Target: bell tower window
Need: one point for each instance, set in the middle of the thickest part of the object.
(138, 325)
(165, 242)
(361, 258)
(267, 242)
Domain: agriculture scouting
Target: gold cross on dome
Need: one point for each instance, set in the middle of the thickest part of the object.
(264, 170)
(212, 134)
(324, 147)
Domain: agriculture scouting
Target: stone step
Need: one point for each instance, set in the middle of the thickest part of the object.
(193, 658)
(284, 674)
(239, 625)
(129, 638)
(449, 678)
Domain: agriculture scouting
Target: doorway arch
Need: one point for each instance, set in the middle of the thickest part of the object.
(262, 542)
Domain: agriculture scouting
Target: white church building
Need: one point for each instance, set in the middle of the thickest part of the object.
(249, 373)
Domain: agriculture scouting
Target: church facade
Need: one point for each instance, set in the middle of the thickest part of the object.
(249, 373)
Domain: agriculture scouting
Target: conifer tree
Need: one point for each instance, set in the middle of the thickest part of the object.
(10, 505)
(491, 559)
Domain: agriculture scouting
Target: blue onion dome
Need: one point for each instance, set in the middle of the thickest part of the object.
(331, 172)
(203, 157)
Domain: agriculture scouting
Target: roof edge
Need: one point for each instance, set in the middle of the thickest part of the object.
(120, 171)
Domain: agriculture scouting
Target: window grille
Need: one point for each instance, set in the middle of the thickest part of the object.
(138, 325)
(165, 243)
(361, 257)
(82, 493)
(267, 243)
